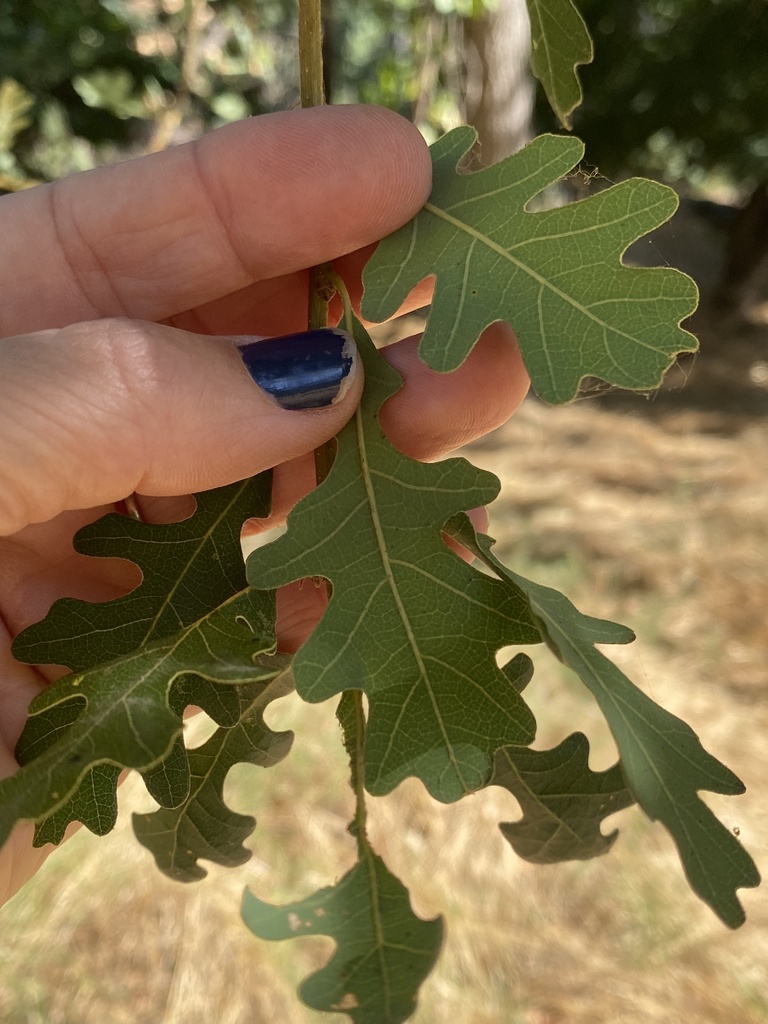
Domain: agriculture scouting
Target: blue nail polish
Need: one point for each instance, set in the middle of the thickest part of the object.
(301, 371)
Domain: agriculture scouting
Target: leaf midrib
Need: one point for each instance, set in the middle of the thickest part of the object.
(366, 475)
(164, 655)
(461, 225)
(202, 541)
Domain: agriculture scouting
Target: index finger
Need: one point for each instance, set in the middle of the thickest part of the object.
(155, 236)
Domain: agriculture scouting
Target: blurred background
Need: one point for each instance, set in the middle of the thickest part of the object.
(677, 91)
(651, 510)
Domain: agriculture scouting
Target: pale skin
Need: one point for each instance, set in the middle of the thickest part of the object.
(122, 289)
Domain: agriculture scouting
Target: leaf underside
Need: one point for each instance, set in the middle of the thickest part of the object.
(555, 275)
(662, 761)
(122, 715)
(409, 622)
(192, 633)
(203, 826)
(188, 569)
(560, 42)
(562, 799)
(383, 953)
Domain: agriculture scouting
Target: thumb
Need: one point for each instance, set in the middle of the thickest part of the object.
(95, 411)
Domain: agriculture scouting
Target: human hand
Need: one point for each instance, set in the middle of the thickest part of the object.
(123, 288)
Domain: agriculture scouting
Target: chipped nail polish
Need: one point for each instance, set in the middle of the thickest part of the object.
(309, 370)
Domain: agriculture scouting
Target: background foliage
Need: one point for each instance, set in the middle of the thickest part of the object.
(677, 88)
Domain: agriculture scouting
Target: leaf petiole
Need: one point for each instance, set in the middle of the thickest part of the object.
(335, 281)
(351, 716)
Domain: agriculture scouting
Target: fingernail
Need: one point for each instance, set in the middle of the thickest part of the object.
(301, 371)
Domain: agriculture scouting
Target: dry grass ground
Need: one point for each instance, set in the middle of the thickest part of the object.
(652, 512)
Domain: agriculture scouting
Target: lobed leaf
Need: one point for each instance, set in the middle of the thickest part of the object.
(555, 275)
(120, 715)
(189, 570)
(408, 622)
(203, 826)
(383, 954)
(562, 799)
(560, 42)
(663, 762)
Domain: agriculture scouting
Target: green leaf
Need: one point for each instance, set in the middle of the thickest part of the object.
(662, 760)
(519, 671)
(555, 275)
(120, 714)
(91, 802)
(409, 622)
(188, 568)
(560, 42)
(203, 826)
(562, 799)
(383, 954)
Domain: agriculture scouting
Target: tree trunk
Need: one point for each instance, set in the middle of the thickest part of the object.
(500, 89)
(746, 250)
